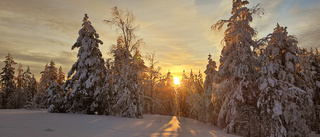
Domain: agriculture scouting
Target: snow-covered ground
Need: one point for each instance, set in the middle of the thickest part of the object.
(39, 123)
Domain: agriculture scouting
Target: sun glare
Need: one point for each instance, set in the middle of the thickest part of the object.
(176, 80)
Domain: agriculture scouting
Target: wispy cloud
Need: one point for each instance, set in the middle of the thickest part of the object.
(179, 30)
(308, 27)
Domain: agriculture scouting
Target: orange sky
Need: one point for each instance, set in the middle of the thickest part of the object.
(38, 31)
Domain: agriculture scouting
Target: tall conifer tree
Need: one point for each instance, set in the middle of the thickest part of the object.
(235, 97)
(284, 106)
(87, 73)
(7, 81)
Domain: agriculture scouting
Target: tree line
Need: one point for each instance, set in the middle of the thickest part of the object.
(23, 90)
(262, 87)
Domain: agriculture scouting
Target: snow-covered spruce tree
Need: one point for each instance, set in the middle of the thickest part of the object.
(199, 106)
(20, 78)
(143, 69)
(19, 99)
(54, 92)
(187, 87)
(54, 98)
(61, 77)
(195, 97)
(22, 95)
(190, 97)
(86, 77)
(48, 82)
(44, 80)
(7, 82)
(199, 82)
(316, 99)
(127, 81)
(152, 77)
(40, 99)
(235, 97)
(104, 101)
(169, 96)
(165, 95)
(307, 69)
(284, 106)
(52, 73)
(29, 86)
(307, 73)
(207, 88)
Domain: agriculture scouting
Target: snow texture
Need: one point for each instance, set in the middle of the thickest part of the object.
(32, 123)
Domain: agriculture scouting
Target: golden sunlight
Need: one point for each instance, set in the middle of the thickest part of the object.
(176, 80)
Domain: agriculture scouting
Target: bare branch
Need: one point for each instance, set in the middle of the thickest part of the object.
(218, 26)
(256, 10)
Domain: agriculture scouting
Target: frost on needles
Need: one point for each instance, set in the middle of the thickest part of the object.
(86, 77)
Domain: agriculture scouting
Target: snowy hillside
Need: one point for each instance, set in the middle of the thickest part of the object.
(39, 123)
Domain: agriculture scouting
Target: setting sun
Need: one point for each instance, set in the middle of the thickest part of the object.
(176, 80)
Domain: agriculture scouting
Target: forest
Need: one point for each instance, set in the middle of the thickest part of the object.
(262, 87)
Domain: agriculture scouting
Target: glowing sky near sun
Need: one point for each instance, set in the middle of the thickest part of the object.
(176, 80)
(37, 31)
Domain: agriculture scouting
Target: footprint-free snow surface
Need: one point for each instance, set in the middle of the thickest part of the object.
(39, 123)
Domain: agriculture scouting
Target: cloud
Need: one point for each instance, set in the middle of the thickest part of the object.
(309, 29)
(179, 31)
(203, 2)
(180, 34)
(37, 60)
(38, 32)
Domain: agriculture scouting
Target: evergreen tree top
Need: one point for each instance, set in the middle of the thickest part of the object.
(28, 69)
(9, 60)
(20, 69)
(9, 63)
(279, 29)
(236, 4)
(27, 73)
(7, 74)
(86, 23)
(52, 63)
(86, 31)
